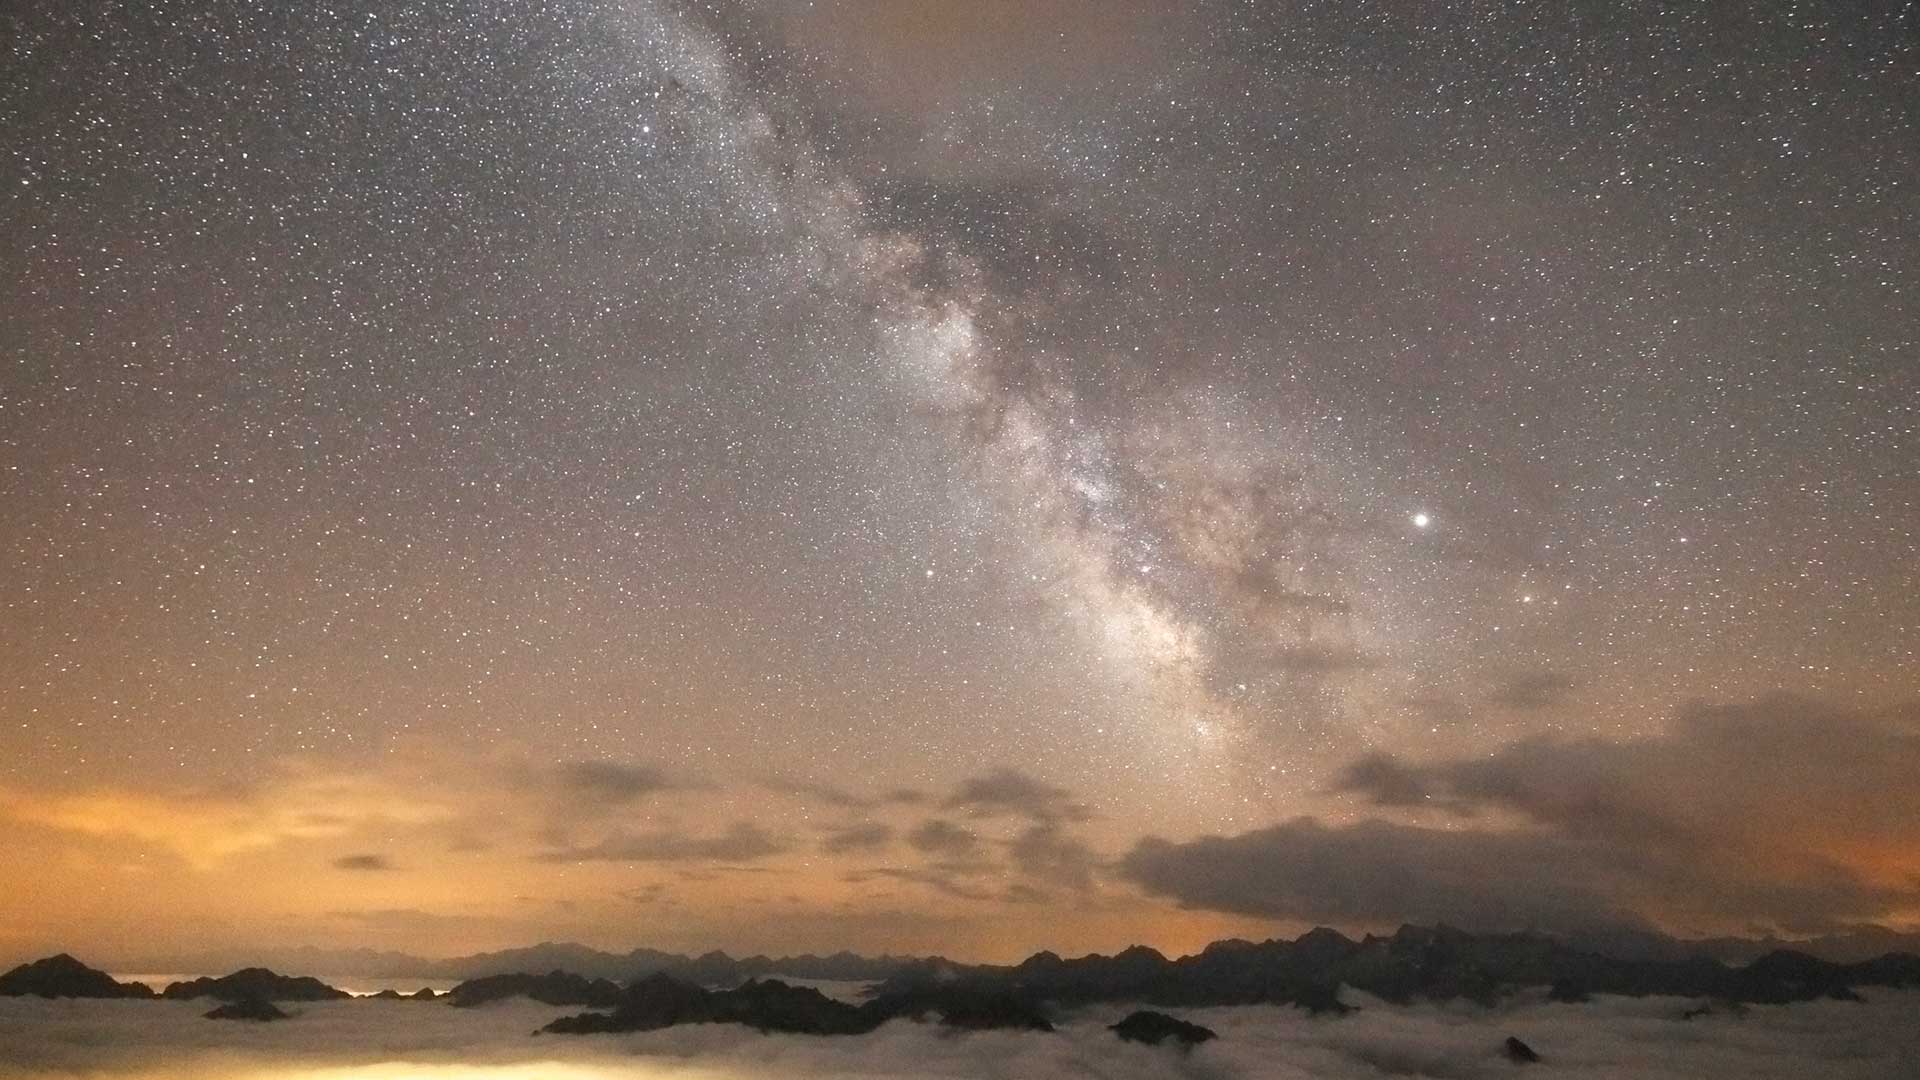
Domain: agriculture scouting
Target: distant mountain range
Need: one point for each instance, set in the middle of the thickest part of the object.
(713, 968)
(718, 968)
(1414, 963)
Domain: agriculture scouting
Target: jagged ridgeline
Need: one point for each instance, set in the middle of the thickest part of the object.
(1415, 963)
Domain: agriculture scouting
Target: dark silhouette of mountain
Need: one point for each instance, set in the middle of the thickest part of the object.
(660, 1000)
(654, 1002)
(549, 956)
(252, 1008)
(254, 982)
(386, 995)
(1322, 999)
(61, 976)
(1436, 963)
(965, 1004)
(1520, 1052)
(553, 988)
(1414, 963)
(425, 993)
(718, 969)
(1153, 1028)
(710, 969)
(1853, 946)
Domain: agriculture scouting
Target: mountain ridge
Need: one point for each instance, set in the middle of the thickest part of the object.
(1852, 945)
(1438, 962)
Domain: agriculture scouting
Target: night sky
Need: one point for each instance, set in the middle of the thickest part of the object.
(955, 477)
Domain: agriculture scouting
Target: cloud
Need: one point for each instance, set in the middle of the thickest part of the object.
(937, 836)
(1385, 781)
(825, 794)
(1779, 812)
(459, 801)
(1046, 853)
(950, 883)
(293, 802)
(610, 783)
(1008, 791)
(862, 837)
(1533, 690)
(838, 797)
(407, 920)
(1019, 893)
(1609, 1039)
(741, 842)
(1776, 779)
(1377, 872)
(651, 893)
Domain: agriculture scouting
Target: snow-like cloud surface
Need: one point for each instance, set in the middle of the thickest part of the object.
(365, 1040)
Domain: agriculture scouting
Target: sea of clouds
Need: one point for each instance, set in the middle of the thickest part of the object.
(375, 1040)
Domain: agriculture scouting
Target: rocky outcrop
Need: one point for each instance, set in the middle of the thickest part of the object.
(660, 1001)
(553, 988)
(250, 984)
(1520, 1052)
(1154, 1028)
(61, 976)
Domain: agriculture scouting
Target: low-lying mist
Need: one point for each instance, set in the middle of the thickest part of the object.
(374, 1040)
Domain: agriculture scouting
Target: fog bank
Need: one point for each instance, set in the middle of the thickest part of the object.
(362, 1040)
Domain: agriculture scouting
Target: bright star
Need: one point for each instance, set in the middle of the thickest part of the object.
(1421, 521)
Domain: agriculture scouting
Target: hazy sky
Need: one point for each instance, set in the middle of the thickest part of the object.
(954, 477)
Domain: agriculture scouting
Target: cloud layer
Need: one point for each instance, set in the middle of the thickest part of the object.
(365, 1040)
(1781, 812)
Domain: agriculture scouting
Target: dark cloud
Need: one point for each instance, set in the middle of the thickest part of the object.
(862, 837)
(648, 895)
(1534, 690)
(840, 798)
(1385, 781)
(1374, 873)
(824, 794)
(949, 883)
(610, 782)
(1778, 774)
(937, 836)
(1780, 811)
(1046, 853)
(741, 842)
(1010, 792)
(363, 862)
